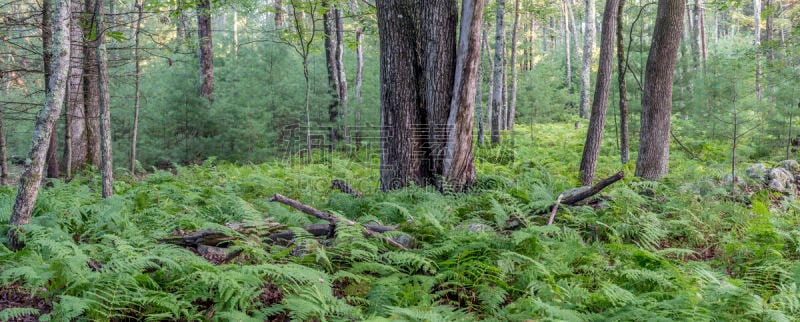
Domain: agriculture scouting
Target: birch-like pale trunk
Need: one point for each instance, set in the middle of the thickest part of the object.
(106, 159)
(586, 64)
(359, 61)
(489, 115)
(568, 45)
(31, 177)
(512, 104)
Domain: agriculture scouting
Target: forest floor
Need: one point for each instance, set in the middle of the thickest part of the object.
(685, 248)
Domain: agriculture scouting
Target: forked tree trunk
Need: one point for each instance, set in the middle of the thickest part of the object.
(137, 92)
(206, 49)
(654, 136)
(459, 165)
(586, 64)
(512, 105)
(597, 121)
(623, 87)
(499, 69)
(106, 159)
(32, 174)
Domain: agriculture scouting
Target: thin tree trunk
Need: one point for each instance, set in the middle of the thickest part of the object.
(235, 34)
(91, 97)
(499, 68)
(512, 105)
(137, 92)
(331, 57)
(702, 27)
(489, 115)
(757, 44)
(623, 87)
(480, 109)
(206, 50)
(278, 14)
(47, 56)
(567, 46)
(694, 34)
(588, 51)
(32, 174)
(360, 61)
(106, 160)
(180, 27)
(597, 122)
(654, 136)
(459, 165)
(342, 76)
(3, 152)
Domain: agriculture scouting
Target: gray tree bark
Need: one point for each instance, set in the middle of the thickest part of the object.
(206, 50)
(106, 159)
(567, 45)
(499, 70)
(459, 163)
(76, 140)
(359, 61)
(34, 166)
(757, 44)
(588, 51)
(597, 122)
(654, 136)
(623, 87)
(137, 91)
(331, 60)
(91, 97)
(279, 15)
(47, 54)
(512, 105)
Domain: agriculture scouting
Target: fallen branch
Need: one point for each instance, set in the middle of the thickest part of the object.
(331, 218)
(555, 210)
(216, 237)
(580, 196)
(346, 188)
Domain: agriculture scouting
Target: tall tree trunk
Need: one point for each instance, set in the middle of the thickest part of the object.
(342, 76)
(653, 161)
(76, 143)
(757, 44)
(623, 87)
(180, 26)
(32, 174)
(91, 98)
(47, 56)
(206, 49)
(568, 45)
(137, 92)
(359, 61)
(694, 34)
(586, 64)
(331, 59)
(278, 14)
(459, 164)
(480, 109)
(701, 26)
(597, 122)
(489, 79)
(400, 104)
(512, 105)
(235, 34)
(106, 159)
(438, 40)
(3, 152)
(499, 70)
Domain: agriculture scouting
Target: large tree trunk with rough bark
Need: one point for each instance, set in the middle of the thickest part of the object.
(653, 161)
(106, 159)
(586, 64)
(624, 137)
(459, 165)
(427, 102)
(32, 174)
(597, 121)
(206, 49)
(76, 140)
(279, 15)
(499, 70)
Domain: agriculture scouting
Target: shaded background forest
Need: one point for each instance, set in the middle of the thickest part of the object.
(258, 108)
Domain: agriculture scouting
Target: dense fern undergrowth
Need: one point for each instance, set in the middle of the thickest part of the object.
(682, 249)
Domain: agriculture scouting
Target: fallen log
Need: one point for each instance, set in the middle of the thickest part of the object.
(346, 188)
(578, 196)
(571, 197)
(368, 229)
(217, 237)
